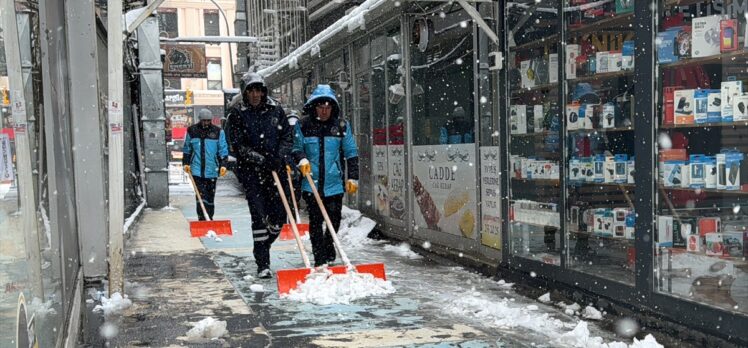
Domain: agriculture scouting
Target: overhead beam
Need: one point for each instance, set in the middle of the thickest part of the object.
(479, 20)
(146, 11)
(211, 39)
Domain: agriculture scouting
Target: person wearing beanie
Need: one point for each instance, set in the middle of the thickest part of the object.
(204, 156)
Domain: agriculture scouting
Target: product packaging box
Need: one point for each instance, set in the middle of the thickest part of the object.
(630, 224)
(609, 170)
(684, 106)
(588, 168)
(685, 175)
(575, 170)
(666, 47)
(620, 174)
(714, 106)
(668, 116)
(553, 68)
(730, 91)
(715, 244)
(630, 167)
(624, 6)
(705, 32)
(695, 244)
(697, 164)
(740, 108)
(574, 218)
(681, 230)
(615, 61)
(628, 55)
(672, 173)
(602, 62)
(572, 52)
(683, 43)
(599, 168)
(710, 172)
(728, 35)
(527, 74)
(608, 118)
(538, 117)
(518, 119)
(733, 162)
(701, 99)
(733, 242)
(532, 167)
(619, 222)
(709, 225)
(516, 162)
(572, 116)
(664, 231)
(604, 222)
(586, 114)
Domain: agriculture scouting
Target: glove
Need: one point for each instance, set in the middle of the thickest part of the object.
(255, 158)
(276, 164)
(187, 170)
(288, 169)
(351, 186)
(305, 167)
(222, 171)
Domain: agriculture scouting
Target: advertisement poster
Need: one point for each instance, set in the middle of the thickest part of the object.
(6, 159)
(186, 61)
(444, 188)
(396, 181)
(490, 197)
(381, 180)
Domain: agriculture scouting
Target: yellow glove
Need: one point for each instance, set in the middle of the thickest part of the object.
(305, 167)
(187, 170)
(351, 186)
(288, 169)
(222, 172)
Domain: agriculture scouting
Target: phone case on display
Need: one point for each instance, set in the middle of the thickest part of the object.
(729, 35)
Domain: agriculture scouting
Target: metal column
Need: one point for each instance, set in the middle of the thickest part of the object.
(152, 110)
(24, 42)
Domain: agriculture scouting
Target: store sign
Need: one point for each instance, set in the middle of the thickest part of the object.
(174, 98)
(490, 197)
(444, 188)
(381, 180)
(396, 184)
(179, 117)
(186, 61)
(6, 159)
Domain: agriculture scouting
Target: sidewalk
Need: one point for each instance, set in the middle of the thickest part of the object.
(174, 280)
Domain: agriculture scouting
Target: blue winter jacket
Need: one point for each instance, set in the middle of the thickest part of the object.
(329, 143)
(205, 150)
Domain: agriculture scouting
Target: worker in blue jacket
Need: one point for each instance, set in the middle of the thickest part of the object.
(324, 147)
(204, 157)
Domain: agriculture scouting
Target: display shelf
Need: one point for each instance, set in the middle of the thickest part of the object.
(547, 182)
(671, 3)
(603, 76)
(601, 130)
(515, 222)
(724, 192)
(734, 259)
(706, 125)
(549, 40)
(584, 183)
(538, 88)
(715, 59)
(597, 236)
(538, 134)
(613, 22)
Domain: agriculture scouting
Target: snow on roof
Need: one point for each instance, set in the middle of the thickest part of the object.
(351, 21)
(132, 15)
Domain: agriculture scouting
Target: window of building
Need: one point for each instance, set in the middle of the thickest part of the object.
(211, 22)
(172, 83)
(214, 74)
(168, 22)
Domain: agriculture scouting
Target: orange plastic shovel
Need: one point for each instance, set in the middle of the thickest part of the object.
(201, 228)
(286, 232)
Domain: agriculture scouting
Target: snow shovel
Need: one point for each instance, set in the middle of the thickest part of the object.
(289, 279)
(201, 228)
(286, 231)
(375, 269)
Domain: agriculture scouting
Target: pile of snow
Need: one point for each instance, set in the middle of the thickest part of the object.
(324, 288)
(42, 309)
(257, 288)
(212, 235)
(580, 337)
(403, 249)
(506, 314)
(354, 229)
(572, 309)
(114, 305)
(502, 283)
(592, 313)
(207, 328)
(545, 298)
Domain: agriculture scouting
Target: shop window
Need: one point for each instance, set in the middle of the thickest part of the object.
(168, 22)
(172, 83)
(214, 74)
(378, 94)
(702, 169)
(599, 132)
(211, 23)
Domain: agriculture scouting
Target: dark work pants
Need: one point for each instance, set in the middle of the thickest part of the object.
(266, 209)
(323, 247)
(207, 189)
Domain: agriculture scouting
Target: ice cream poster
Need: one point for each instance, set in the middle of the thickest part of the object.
(490, 197)
(381, 180)
(444, 188)
(396, 181)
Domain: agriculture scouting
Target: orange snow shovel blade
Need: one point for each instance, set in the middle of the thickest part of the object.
(375, 269)
(287, 232)
(289, 279)
(201, 228)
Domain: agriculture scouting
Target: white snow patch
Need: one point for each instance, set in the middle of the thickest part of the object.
(403, 249)
(545, 298)
(114, 305)
(354, 229)
(248, 277)
(257, 288)
(506, 313)
(580, 337)
(324, 288)
(108, 330)
(207, 328)
(42, 309)
(212, 235)
(132, 217)
(504, 284)
(592, 313)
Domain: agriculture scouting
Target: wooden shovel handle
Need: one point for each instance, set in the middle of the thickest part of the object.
(291, 220)
(199, 198)
(330, 228)
(293, 198)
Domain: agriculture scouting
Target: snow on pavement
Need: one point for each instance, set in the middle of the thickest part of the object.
(208, 328)
(114, 305)
(324, 288)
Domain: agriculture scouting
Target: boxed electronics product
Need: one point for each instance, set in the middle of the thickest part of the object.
(666, 48)
(714, 106)
(532, 166)
(672, 173)
(603, 222)
(630, 224)
(697, 171)
(664, 231)
(615, 61)
(705, 32)
(684, 106)
(538, 117)
(709, 225)
(553, 68)
(516, 162)
(575, 170)
(630, 167)
(527, 74)
(627, 59)
(619, 222)
(588, 168)
(609, 170)
(685, 175)
(608, 118)
(624, 6)
(695, 244)
(733, 242)
(620, 175)
(602, 62)
(681, 230)
(668, 116)
(728, 170)
(572, 116)
(730, 90)
(715, 244)
(683, 43)
(586, 114)
(599, 171)
(740, 108)
(728, 35)
(518, 119)
(710, 172)
(572, 52)
(701, 99)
